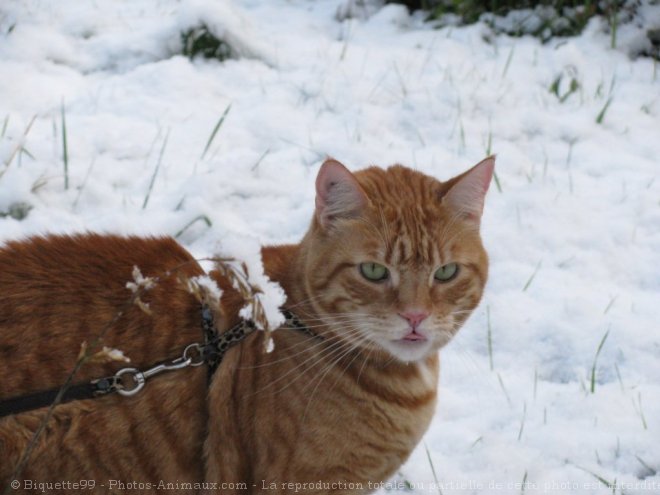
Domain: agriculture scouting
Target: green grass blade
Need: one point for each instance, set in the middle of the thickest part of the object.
(204, 218)
(261, 158)
(601, 115)
(508, 61)
(593, 368)
(153, 177)
(608, 484)
(531, 278)
(489, 143)
(651, 471)
(506, 394)
(497, 182)
(490, 339)
(25, 151)
(65, 149)
(614, 22)
(435, 476)
(480, 439)
(523, 484)
(522, 421)
(640, 411)
(610, 304)
(84, 183)
(215, 131)
(5, 123)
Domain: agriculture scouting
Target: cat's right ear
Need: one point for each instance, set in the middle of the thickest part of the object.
(467, 191)
(338, 194)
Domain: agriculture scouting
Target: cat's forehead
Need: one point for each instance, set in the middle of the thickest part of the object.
(406, 206)
(405, 195)
(398, 181)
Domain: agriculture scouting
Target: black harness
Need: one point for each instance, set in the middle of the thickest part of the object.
(129, 381)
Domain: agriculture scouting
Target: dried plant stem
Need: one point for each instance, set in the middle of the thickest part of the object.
(19, 146)
(237, 273)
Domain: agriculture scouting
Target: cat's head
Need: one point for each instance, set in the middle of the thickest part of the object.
(393, 260)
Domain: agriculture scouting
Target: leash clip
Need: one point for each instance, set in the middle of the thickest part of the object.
(130, 381)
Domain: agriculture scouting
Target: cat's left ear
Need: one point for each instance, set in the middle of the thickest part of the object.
(338, 194)
(467, 191)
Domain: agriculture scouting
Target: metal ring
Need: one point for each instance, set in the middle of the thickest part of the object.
(136, 376)
(200, 356)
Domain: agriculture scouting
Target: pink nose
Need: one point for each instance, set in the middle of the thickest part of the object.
(414, 317)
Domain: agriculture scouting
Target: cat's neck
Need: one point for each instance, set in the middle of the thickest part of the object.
(282, 265)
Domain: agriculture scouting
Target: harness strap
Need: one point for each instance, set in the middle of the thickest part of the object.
(38, 400)
(292, 321)
(129, 381)
(216, 345)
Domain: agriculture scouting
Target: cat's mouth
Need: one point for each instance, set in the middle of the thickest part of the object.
(412, 346)
(413, 336)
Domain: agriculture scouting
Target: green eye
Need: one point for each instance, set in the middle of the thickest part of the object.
(446, 273)
(374, 272)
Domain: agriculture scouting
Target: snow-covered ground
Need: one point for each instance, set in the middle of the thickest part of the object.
(573, 230)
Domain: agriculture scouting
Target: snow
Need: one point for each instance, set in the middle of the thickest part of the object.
(211, 293)
(573, 235)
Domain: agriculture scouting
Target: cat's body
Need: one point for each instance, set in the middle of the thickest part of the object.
(333, 413)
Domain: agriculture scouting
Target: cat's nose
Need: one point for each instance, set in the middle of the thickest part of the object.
(414, 317)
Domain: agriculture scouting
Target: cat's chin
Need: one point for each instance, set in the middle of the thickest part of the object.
(408, 350)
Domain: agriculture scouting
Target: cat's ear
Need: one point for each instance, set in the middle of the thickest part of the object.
(338, 194)
(467, 191)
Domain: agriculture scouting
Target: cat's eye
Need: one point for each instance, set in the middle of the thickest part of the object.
(374, 271)
(446, 273)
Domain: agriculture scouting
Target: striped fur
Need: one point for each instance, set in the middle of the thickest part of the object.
(336, 413)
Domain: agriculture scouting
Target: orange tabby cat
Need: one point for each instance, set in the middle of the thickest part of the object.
(391, 267)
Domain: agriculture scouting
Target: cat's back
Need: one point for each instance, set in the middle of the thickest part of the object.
(61, 291)
(81, 262)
